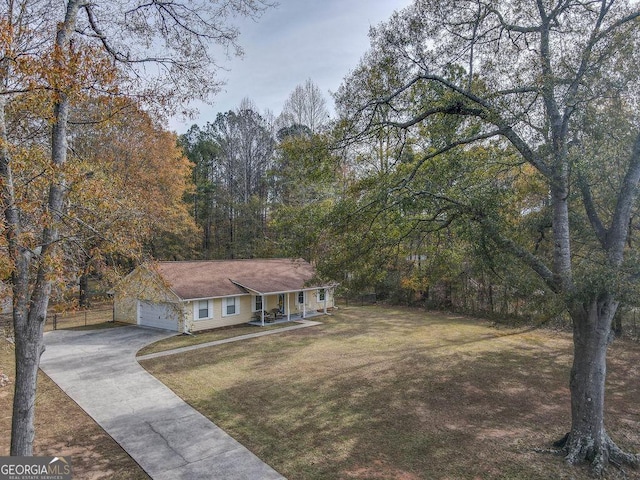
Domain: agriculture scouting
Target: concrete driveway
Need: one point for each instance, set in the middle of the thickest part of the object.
(168, 438)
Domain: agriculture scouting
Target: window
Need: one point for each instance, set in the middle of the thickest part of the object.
(321, 294)
(203, 310)
(257, 304)
(230, 306)
(300, 298)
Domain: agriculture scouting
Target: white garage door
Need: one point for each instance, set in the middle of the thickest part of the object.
(157, 315)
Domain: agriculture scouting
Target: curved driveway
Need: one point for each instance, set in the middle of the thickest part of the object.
(168, 438)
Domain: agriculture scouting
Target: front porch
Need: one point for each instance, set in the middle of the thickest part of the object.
(270, 319)
(270, 308)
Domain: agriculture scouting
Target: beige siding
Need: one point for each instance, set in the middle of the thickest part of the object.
(139, 284)
(312, 303)
(125, 309)
(271, 302)
(292, 299)
(294, 308)
(144, 284)
(218, 320)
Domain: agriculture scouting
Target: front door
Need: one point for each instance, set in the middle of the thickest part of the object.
(281, 304)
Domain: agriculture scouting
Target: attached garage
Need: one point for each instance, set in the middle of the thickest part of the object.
(158, 315)
(190, 296)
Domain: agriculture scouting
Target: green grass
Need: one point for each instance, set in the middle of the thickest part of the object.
(381, 393)
(206, 336)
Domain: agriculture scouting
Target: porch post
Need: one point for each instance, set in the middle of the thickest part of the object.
(304, 304)
(262, 310)
(326, 294)
(288, 309)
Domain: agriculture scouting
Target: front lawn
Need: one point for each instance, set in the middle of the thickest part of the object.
(382, 393)
(185, 340)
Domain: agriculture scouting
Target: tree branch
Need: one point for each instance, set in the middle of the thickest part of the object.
(446, 148)
(535, 263)
(629, 18)
(118, 56)
(592, 214)
(455, 108)
(491, 115)
(511, 27)
(619, 229)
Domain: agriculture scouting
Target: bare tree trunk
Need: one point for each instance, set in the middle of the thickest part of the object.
(30, 315)
(617, 323)
(29, 348)
(28, 336)
(491, 306)
(83, 294)
(588, 440)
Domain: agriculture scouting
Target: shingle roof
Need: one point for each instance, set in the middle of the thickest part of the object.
(221, 278)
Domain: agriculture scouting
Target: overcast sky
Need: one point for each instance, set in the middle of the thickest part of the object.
(299, 39)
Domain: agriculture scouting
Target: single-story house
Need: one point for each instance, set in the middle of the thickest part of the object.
(198, 295)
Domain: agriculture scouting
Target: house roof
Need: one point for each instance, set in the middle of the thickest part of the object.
(222, 278)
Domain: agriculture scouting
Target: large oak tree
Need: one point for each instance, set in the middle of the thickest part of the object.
(541, 78)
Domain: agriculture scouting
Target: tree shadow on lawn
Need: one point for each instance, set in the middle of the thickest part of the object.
(425, 423)
(315, 406)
